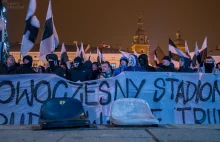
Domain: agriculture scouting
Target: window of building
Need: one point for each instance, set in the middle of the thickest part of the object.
(113, 65)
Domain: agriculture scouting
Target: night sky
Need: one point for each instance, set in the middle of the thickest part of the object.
(115, 21)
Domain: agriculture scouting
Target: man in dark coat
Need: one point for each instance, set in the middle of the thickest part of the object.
(79, 73)
(143, 61)
(166, 65)
(54, 66)
(95, 70)
(10, 66)
(26, 68)
(184, 66)
(134, 65)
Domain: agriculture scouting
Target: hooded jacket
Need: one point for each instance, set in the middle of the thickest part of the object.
(121, 68)
(134, 65)
(143, 60)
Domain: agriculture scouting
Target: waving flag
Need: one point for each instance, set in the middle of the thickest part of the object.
(100, 58)
(82, 53)
(176, 53)
(31, 29)
(50, 38)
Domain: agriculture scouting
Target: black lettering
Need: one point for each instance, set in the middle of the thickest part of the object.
(101, 121)
(57, 85)
(199, 121)
(188, 90)
(140, 87)
(214, 116)
(105, 91)
(89, 91)
(22, 119)
(25, 93)
(12, 89)
(183, 113)
(12, 119)
(172, 80)
(48, 89)
(180, 93)
(80, 85)
(208, 114)
(30, 118)
(117, 84)
(6, 119)
(210, 91)
(215, 89)
(157, 99)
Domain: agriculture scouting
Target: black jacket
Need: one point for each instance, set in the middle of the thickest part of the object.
(185, 69)
(58, 71)
(163, 68)
(79, 74)
(24, 69)
(11, 70)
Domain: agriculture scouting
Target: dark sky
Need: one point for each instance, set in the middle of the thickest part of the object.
(115, 21)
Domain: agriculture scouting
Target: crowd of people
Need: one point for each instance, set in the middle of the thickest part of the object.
(84, 71)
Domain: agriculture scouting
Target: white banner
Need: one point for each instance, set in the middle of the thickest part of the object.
(174, 98)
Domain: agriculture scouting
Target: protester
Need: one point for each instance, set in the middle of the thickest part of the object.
(143, 61)
(10, 66)
(106, 70)
(40, 69)
(218, 65)
(133, 64)
(26, 68)
(87, 65)
(54, 66)
(166, 65)
(209, 66)
(79, 73)
(95, 70)
(183, 66)
(123, 65)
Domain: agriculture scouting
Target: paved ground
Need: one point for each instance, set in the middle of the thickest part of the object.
(109, 133)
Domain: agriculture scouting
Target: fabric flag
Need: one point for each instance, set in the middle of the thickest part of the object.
(126, 54)
(196, 58)
(82, 53)
(203, 51)
(100, 58)
(187, 49)
(87, 48)
(50, 38)
(158, 55)
(63, 55)
(77, 51)
(176, 53)
(31, 29)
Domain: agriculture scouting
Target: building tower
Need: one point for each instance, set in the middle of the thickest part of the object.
(140, 42)
(179, 42)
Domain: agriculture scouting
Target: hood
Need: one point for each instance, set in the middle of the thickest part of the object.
(87, 65)
(133, 61)
(143, 60)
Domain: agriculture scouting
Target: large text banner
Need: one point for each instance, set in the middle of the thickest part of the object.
(174, 98)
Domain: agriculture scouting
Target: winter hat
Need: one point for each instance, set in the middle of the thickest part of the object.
(29, 58)
(52, 56)
(167, 58)
(78, 60)
(124, 58)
